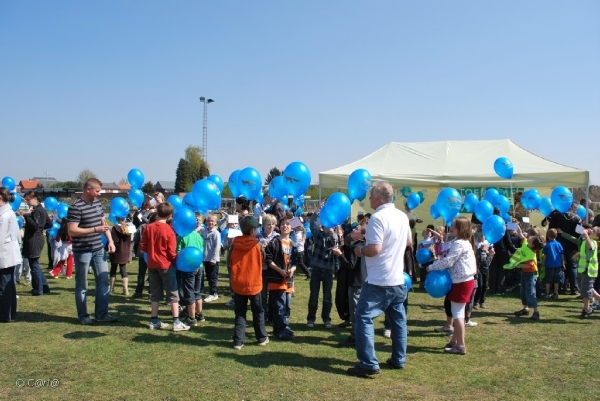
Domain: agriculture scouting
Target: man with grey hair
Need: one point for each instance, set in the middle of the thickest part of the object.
(384, 290)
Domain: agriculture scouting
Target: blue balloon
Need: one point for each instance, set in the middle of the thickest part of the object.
(470, 202)
(359, 183)
(438, 283)
(62, 210)
(434, 212)
(119, 207)
(483, 210)
(503, 204)
(249, 183)
(113, 219)
(336, 210)
(494, 228)
(581, 212)
(424, 255)
(421, 196)
(277, 188)
(531, 199)
(135, 177)
(308, 233)
(298, 212)
(232, 183)
(136, 197)
(297, 178)
(207, 195)
(217, 180)
(407, 281)
(491, 194)
(189, 259)
(299, 201)
(562, 199)
(20, 221)
(8, 183)
(448, 203)
(176, 201)
(546, 206)
(50, 203)
(260, 198)
(413, 201)
(16, 204)
(504, 168)
(189, 201)
(145, 256)
(104, 240)
(184, 221)
(52, 232)
(55, 225)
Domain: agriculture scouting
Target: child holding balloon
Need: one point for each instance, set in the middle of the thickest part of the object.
(462, 266)
(191, 281)
(64, 250)
(122, 255)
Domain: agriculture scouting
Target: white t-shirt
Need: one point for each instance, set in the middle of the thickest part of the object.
(389, 227)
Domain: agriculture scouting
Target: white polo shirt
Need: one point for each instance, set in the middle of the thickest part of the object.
(389, 227)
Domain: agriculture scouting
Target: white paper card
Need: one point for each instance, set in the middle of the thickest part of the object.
(525, 219)
(260, 220)
(295, 222)
(512, 226)
(579, 229)
(232, 233)
(446, 246)
(233, 219)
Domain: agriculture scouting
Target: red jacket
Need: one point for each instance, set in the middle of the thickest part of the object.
(160, 244)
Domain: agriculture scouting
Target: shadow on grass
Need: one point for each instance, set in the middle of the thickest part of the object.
(197, 336)
(38, 317)
(288, 359)
(80, 335)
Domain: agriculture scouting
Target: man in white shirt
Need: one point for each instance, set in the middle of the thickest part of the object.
(387, 236)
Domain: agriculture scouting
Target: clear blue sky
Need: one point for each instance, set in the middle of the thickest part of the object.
(112, 85)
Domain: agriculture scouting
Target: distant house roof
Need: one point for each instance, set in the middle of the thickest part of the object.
(28, 185)
(167, 186)
(110, 185)
(124, 186)
(45, 181)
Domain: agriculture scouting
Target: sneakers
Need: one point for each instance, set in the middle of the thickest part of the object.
(522, 312)
(263, 342)
(328, 325)
(238, 346)
(387, 333)
(158, 325)
(555, 296)
(392, 364)
(441, 329)
(456, 350)
(191, 322)
(200, 317)
(585, 313)
(471, 323)
(108, 319)
(180, 326)
(310, 324)
(285, 336)
(360, 372)
(230, 303)
(482, 306)
(546, 296)
(86, 321)
(211, 298)
(535, 317)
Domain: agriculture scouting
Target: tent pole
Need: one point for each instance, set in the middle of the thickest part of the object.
(319, 193)
(587, 199)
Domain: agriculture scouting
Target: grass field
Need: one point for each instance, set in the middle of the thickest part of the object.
(508, 358)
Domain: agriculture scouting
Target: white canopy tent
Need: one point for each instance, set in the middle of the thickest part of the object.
(456, 164)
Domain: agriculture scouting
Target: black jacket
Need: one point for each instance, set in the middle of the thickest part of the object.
(35, 223)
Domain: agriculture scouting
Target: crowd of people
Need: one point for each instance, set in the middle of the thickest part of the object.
(262, 245)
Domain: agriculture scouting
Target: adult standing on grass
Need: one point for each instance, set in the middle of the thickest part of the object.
(35, 221)
(86, 227)
(384, 290)
(10, 238)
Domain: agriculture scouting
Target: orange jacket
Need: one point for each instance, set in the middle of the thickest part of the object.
(245, 261)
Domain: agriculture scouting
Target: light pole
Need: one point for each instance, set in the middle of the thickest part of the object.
(205, 129)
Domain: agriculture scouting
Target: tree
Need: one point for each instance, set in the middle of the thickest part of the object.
(123, 181)
(274, 172)
(66, 184)
(190, 169)
(85, 175)
(148, 188)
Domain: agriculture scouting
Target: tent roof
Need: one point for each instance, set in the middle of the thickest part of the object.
(456, 163)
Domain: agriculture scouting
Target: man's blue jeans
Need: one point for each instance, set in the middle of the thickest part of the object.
(97, 260)
(375, 300)
(318, 276)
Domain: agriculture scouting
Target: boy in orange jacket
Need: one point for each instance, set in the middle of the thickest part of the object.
(245, 261)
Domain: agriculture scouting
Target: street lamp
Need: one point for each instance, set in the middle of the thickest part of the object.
(204, 129)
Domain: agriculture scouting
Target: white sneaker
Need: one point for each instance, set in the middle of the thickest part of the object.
(158, 325)
(180, 326)
(230, 303)
(211, 298)
(471, 323)
(264, 342)
(387, 333)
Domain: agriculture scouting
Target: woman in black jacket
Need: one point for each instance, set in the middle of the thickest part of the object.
(35, 221)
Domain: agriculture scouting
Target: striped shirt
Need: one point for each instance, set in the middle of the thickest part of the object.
(86, 215)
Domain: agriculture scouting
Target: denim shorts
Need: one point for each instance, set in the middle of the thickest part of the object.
(552, 275)
(586, 285)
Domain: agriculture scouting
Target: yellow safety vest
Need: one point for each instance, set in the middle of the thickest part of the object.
(521, 255)
(592, 264)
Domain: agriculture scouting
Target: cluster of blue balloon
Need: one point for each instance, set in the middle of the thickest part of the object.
(51, 204)
(414, 200)
(136, 179)
(10, 185)
(359, 183)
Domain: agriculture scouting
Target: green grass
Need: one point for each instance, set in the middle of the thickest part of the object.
(508, 358)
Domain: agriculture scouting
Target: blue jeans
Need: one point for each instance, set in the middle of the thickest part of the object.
(528, 281)
(38, 279)
(318, 276)
(83, 261)
(277, 301)
(375, 300)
